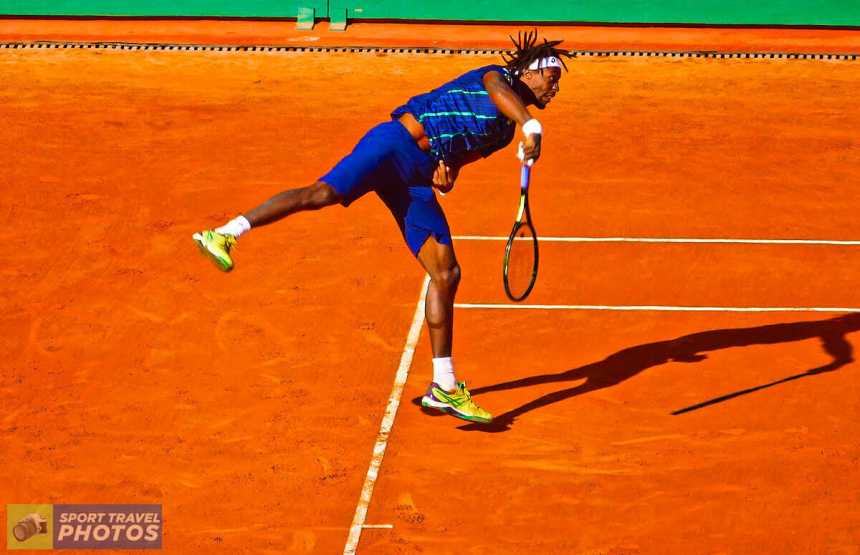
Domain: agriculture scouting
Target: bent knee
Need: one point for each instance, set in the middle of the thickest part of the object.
(448, 278)
(323, 194)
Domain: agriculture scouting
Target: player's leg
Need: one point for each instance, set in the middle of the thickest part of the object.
(216, 243)
(440, 263)
(425, 229)
(313, 197)
(444, 393)
(348, 180)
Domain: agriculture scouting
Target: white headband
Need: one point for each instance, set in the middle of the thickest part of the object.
(544, 63)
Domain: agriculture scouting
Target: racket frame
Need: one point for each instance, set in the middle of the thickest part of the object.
(524, 219)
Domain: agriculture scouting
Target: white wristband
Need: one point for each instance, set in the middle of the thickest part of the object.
(532, 127)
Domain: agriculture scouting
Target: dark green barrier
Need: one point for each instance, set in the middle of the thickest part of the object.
(167, 8)
(711, 12)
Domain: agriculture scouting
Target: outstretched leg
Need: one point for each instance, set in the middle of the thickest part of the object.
(217, 243)
(313, 197)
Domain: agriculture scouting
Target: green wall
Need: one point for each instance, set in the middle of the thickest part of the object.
(164, 8)
(713, 12)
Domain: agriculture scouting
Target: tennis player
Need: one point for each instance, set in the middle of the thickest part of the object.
(424, 146)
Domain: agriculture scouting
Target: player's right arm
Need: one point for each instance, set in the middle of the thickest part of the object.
(512, 106)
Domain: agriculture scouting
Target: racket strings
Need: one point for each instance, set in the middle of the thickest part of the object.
(521, 262)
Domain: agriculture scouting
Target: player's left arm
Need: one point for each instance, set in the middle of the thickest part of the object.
(445, 174)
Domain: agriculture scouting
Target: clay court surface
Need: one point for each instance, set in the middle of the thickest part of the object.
(249, 403)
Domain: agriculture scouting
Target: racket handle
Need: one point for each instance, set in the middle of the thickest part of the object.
(525, 175)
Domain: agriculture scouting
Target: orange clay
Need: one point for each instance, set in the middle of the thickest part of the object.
(248, 403)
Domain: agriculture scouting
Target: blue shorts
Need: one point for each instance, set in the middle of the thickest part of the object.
(387, 161)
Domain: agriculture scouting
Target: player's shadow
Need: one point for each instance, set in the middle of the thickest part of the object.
(629, 362)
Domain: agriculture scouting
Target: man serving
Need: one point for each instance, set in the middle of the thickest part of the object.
(423, 147)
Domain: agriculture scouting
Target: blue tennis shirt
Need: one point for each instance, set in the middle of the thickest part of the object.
(459, 117)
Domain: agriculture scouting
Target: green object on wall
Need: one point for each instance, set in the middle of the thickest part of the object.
(708, 12)
(165, 8)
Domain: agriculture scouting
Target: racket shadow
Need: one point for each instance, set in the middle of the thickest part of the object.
(629, 362)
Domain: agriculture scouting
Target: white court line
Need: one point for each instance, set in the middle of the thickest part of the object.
(384, 526)
(656, 308)
(387, 424)
(664, 240)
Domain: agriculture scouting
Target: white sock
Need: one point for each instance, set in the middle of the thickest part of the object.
(235, 227)
(443, 373)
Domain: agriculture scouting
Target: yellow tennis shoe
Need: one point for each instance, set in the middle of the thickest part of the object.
(458, 403)
(217, 247)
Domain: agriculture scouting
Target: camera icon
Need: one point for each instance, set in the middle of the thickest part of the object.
(29, 526)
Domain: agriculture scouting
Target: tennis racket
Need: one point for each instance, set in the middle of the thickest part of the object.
(521, 253)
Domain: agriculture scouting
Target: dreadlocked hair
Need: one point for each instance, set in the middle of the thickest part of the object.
(527, 50)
